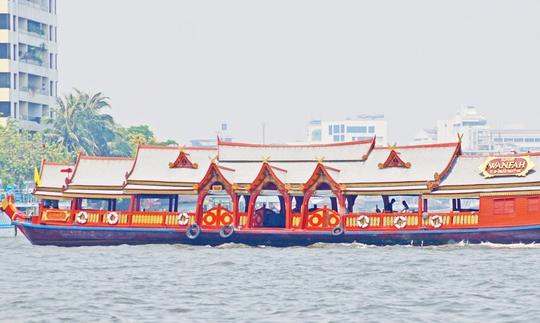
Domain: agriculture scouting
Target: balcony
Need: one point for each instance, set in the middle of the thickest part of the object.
(33, 56)
(34, 4)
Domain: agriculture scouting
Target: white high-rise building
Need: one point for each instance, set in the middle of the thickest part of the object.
(361, 127)
(28, 61)
(479, 137)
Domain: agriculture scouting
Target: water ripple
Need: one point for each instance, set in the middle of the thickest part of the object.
(237, 283)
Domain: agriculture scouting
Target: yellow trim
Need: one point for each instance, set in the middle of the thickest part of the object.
(132, 192)
(159, 183)
(485, 186)
(96, 196)
(374, 192)
(351, 185)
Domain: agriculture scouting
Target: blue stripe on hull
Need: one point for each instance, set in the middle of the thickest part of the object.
(86, 236)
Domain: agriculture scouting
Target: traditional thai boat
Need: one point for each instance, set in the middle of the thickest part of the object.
(286, 195)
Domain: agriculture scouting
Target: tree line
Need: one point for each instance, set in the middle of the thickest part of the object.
(80, 124)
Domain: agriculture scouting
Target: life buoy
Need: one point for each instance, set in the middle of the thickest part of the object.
(183, 218)
(316, 220)
(193, 231)
(436, 221)
(81, 217)
(400, 222)
(226, 231)
(337, 231)
(113, 218)
(362, 221)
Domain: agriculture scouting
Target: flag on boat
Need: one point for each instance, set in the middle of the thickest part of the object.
(37, 178)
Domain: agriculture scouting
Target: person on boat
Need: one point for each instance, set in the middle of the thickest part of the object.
(377, 210)
(405, 207)
(391, 205)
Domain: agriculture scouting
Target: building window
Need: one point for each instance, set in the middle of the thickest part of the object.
(5, 80)
(4, 51)
(356, 129)
(51, 33)
(336, 128)
(5, 109)
(51, 88)
(503, 206)
(15, 110)
(4, 21)
(14, 23)
(315, 135)
(371, 129)
(14, 52)
(342, 128)
(336, 138)
(342, 138)
(329, 130)
(15, 81)
(51, 60)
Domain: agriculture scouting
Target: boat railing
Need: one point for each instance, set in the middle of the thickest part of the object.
(117, 218)
(404, 221)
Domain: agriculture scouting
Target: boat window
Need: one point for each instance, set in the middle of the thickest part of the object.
(212, 201)
(368, 203)
(503, 206)
(533, 204)
(440, 205)
(469, 205)
(187, 203)
(123, 204)
(157, 203)
(95, 204)
(269, 202)
(50, 204)
(400, 203)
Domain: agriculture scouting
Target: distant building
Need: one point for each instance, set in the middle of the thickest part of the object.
(223, 135)
(28, 61)
(478, 136)
(425, 136)
(361, 127)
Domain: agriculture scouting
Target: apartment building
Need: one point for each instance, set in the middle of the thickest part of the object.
(28, 61)
(361, 127)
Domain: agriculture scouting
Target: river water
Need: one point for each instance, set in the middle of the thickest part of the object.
(235, 283)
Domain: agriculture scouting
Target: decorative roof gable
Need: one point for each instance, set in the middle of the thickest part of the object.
(182, 161)
(394, 160)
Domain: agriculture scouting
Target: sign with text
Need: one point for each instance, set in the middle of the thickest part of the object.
(506, 166)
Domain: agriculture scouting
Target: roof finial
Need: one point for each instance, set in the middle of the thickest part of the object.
(320, 160)
(460, 137)
(213, 160)
(266, 159)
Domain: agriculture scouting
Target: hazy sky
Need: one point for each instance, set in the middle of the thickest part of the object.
(183, 67)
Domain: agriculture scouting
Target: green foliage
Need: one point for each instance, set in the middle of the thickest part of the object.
(21, 151)
(80, 124)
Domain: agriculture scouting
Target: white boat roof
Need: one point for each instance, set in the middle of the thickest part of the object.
(425, 161)
(53, 175)
(101, 172)
(344, 151)
(152, 165)
(466, 173)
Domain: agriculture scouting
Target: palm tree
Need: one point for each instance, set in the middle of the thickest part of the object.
(80, 124)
